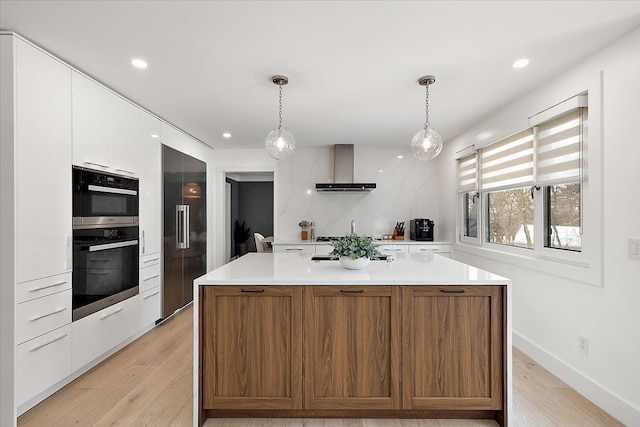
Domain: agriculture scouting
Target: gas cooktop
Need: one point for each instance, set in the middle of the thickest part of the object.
(326, 238)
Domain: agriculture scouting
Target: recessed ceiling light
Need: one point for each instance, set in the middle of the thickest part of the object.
(521, 63)
(401, 157)
(380, 170)
(309, 191)
(153, 135)
(139, 63)
(226, 135)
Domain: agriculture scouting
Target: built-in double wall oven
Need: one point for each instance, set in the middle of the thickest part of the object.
(105, 240)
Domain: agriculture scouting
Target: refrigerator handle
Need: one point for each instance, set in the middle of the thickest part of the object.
(187, 226)
(178, 227)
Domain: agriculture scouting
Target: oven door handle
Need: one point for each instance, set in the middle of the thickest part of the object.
(101, 189)
(116, 245)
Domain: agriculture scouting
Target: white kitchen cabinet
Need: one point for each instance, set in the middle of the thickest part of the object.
(27, 291)
(41, 315)
(149, 277)
(105, 129)
(303, 249)
(150, 184)
(100, 332)
(426, 248)
(393, 248)
(149, 307)
(42, 362)
(43, 164)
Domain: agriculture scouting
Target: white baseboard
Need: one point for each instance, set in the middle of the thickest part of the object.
(625, 412)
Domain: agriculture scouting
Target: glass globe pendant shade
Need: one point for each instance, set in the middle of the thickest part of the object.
(280, 143)
(426, 144)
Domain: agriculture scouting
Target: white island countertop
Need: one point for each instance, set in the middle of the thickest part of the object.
(298, 269)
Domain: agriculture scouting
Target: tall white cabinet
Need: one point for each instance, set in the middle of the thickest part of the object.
(42, 181)
(150, 135)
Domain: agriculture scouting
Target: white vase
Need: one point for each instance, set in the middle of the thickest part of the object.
(354, 264)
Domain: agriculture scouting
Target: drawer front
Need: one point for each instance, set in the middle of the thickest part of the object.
(149, 278)
(149, 260)
(430, 248)
(100, 332)
(393, 249)
(39, 316)
(42, 362)
(306, 249)
(149, 307)
(27, 291)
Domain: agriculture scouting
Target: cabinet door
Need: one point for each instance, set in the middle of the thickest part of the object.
(352, 347)
(150, 184)
(43, 169)
(123, 137)
(452, 347)
(91, 129)
(252, 347)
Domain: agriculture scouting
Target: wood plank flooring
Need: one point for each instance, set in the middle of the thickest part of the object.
(149, 383)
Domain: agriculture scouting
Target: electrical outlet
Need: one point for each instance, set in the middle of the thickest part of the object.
(583, 344)
(633, 248)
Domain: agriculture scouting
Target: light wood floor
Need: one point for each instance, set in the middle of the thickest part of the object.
(149, 383)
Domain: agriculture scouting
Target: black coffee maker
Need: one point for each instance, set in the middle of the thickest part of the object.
(421, 229)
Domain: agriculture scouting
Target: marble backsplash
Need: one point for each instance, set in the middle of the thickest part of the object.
(406, 188)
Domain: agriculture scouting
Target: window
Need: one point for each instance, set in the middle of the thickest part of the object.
(510, 217)
(529, 184)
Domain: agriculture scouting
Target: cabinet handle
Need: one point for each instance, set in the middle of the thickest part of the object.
(125, 171)
(143, 242)
(99, 273)
(428, 249)
(293, 249)
(150, 277)
(69, 256)
(252, 291)
(151, 260)
(150, 295)
(104, 316)
(346, 291)
(38, 347)
(449, 291)
(47, 287)
(96, 164)
(42, 316)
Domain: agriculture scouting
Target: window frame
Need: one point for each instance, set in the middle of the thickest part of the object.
(584, 266)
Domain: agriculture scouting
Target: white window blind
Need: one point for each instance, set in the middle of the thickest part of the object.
(508, 162)
(559, 149)
(467, 173)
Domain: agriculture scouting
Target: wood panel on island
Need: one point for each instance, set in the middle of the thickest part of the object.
(352, 351)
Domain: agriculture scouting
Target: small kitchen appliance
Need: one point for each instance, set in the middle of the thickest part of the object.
(421, 229)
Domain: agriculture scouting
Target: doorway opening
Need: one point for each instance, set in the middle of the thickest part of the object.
(249, 210)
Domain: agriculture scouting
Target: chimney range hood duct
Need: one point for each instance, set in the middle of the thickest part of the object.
(343, 172)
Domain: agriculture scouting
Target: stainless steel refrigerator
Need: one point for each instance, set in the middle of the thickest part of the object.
(185, 227)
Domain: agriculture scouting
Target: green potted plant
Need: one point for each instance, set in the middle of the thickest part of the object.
(240, 236)
(354, 251)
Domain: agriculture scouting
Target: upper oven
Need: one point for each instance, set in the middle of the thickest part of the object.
(101, 199)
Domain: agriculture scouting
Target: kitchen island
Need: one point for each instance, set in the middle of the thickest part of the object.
(419, 336)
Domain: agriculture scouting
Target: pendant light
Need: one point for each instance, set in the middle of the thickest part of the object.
(280, 143)
(426, 144)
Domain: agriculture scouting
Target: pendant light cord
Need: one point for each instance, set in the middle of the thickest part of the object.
(426, 101)
(280, 109)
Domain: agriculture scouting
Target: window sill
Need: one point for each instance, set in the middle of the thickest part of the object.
(583, 272)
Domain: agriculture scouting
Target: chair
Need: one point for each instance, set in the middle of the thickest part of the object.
(259, 238)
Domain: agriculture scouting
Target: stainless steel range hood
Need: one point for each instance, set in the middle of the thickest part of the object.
(343, 172)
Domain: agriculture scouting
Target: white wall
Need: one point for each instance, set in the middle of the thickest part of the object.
(549, 312)
(406, 188)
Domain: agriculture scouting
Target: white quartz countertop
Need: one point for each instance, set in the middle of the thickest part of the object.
(298, 269)
(378, 242)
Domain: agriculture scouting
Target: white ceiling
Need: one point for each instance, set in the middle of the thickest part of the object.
(353, 65)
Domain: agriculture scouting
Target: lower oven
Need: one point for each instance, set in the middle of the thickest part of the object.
(105, 268)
